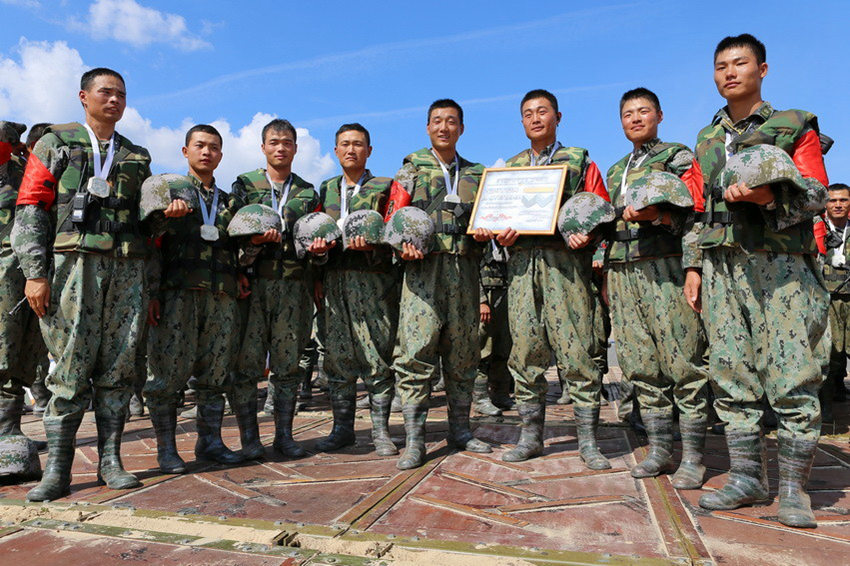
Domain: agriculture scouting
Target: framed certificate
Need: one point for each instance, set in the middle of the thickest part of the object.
(526, 199)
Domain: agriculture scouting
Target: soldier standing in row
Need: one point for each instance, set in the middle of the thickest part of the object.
(661, 341)
(78, 206)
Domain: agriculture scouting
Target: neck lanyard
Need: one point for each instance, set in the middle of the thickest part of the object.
(101, 168)
(450, 187)
(728, 144)
(284, 196)
(343, 194)
(624, 181)
(555, 147)
(209, 215)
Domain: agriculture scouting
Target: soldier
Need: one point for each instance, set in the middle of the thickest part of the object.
(765, 308)
(280, 310)
(78, 203)
(361, 289)
(550, 296)
(439, 308)
(491, 392)
(661, 341)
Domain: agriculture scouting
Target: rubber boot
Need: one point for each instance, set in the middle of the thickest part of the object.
(268, 406)
(18, 453)
(481, 398)
(691, 469)
(11, 410)
(306, 392)
(414, 427)
(41, 394)
(460, 435)
(530, 443)
(137, 405)
(164, 421)
(209, 445)
(284, 412)
(565, 398)
(342, 434)
(501, 395)
(587, 421)
(796, 456)
(659, 431)
(110, 470)
(396, 407)
(56, 480)
(249, 430)
(747, 483)
(380, 414)
(364, 402)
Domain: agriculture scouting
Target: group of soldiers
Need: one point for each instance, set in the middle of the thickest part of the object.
(119, 265)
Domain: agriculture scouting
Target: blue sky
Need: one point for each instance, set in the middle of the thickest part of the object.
(321, 64)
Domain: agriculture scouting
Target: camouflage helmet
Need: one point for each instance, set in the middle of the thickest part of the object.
(658, 187)
(762, 165)
(159, 190)
(410, 225)
(19, 457)
(366, 223)
(582, 213)
(254, 219)
(10, 132)
(312, 226)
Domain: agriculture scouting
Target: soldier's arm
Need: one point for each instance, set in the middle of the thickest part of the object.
(685, 166)
(401, 191)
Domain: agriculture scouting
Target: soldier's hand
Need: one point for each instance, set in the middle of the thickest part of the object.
(409, 252)
(269, 236)
(486, 313)
(740, 192)
(153, 312)
(507, 237)
(37, 292)
(693, 282)
(578, 241)
(320, 246)
(244, 286)
(318, 293)
(647, 214)
(358, 244)
(177, 209)
(483, 234)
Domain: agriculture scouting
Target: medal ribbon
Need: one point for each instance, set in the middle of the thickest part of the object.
(555, 147)
(101, 168)
(343, 194)
(450, 187)
(284, 196)
(209, 216)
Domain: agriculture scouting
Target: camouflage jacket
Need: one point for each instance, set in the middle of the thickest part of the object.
(834, 244)
(11, 174)
(374, 194)
(582, 175)
(420, 183)
(787, 228)
(275, 261)
(631, 241)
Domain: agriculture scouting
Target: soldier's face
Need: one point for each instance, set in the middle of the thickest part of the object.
(838, 204)
(444, 128)
(352, 150)
(737, 73)
(203, 152)
(540, 120)
(640, 120)
(279, 148)
(105, 99)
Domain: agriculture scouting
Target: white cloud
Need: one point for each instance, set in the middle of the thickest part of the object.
(22, 3)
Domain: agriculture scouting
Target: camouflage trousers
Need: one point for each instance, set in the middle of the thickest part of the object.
(97, 313)
(766, 316)
(195, 337)
(438, 321)
(361, 319)
(661, 342)
(279, 317)
(494, 340)
(839, 324)
(551, 310)
(23, 355)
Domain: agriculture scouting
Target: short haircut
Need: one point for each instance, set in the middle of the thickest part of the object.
(539, 93)
(204, 129)
(640, 92)
(89, 76)
(35, 133)
(355, 127)
(839, 187)
(743, 40)
(280, 125)
(445, 103)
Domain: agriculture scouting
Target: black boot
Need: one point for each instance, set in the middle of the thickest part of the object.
(284, 412)
(61, 436)
(691, 469)
(209, 445)
(460, 435)
(306, 392)
(659, 431)
(587, 421)
(414, 427)
(110, 470)
(481, 398)
(380, 414)
(530, 443)
(164, 421)
(747, 483)
(795, 463)
(342, 434)
(249, 430)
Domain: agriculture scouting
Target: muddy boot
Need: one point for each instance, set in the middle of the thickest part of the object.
(11, 410)
(137, 405)
(380, 414)
(284, 412)
(530, 443)
(691, 469)
(18, 454)
(209, 445)
(164, 421)
(587, 421)
(460, 435)
(414, 427)
(110, 470)
(249, 430)
(56, 480)
(342, 434)
(659, 431)
(268, 406)
(363, 403)
(747, 483)
(795, 462)
(481, 398)
(565, 398)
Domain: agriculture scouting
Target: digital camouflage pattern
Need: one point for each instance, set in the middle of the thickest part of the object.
(311, 226)
(762, 164)
(494, 338)
(658, 187)
(254, 219)
(582, 213)
(158, 191)
(11, 172)
(410, 225)
(366, 223)
(19, 457)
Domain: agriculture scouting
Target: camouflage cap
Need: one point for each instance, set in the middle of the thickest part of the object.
(658, 187)
(19, 457)
(312, 226)
(582, 213)
(762, 165)
(366, 223)
(10, 132)
(159, 190)
(410, 225)
(254, 219)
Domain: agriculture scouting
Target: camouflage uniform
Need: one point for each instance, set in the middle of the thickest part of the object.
(97, 304)
(765, 305)
(494, 338)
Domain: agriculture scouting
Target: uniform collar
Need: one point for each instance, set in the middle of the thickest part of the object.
(760, 116)
(646, 148)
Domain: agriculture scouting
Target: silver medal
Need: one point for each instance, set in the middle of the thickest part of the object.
(452, 198)
(209, 232)
(98, 187)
